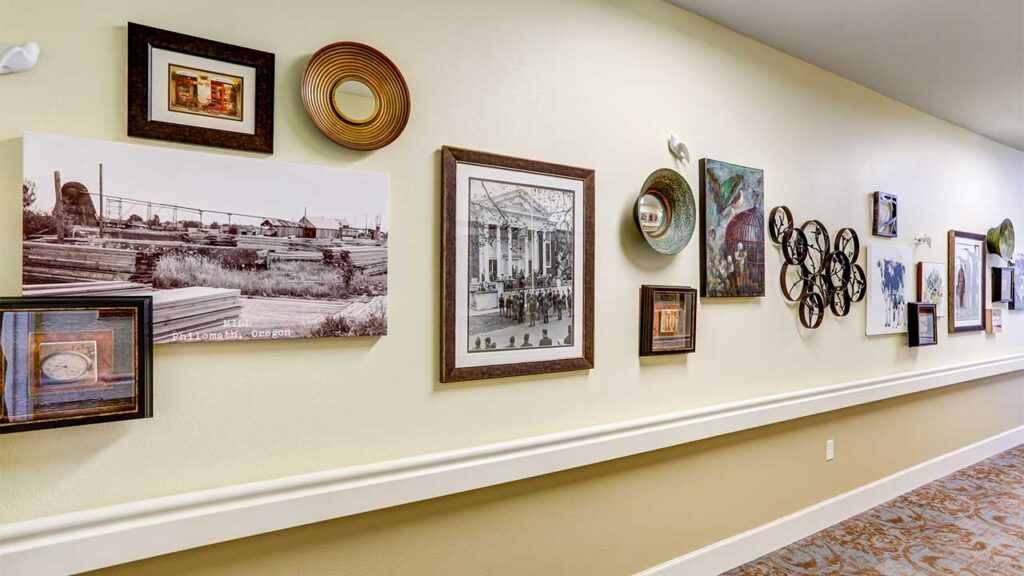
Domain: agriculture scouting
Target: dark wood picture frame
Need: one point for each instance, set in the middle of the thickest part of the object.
(1000, 274)
(876, 224)
(450, 159)
(951, 281)
(688, 301)
(914, 337)
(143, 38)
(142, 344)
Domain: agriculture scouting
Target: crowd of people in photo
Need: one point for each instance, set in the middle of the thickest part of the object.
(532, 307)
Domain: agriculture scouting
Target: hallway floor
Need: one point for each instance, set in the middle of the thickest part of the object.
(970, 523)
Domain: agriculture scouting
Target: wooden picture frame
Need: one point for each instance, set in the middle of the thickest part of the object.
(993, 320)
(1002, 284)
(674, 306)
(966, 276)
(529, 239)
(884, 214)
(922, 324)
(219, 108)
(74, 361)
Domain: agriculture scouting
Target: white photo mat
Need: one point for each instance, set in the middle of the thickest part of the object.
(160, 60)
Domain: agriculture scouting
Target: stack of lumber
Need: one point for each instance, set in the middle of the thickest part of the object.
(193, 309)
(111, 288)
(44, 262)
(370, 260)
(295, 257)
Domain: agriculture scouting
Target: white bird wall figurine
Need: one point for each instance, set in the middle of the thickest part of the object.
(18, 57)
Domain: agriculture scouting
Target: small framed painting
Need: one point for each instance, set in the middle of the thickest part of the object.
(922, 324)
(1017, 303)
(187, 89)
(517, 274)
(732, 240)
(71, 361)
(966, 275)
(994, 320)
(668, 320)
(931, 285)
(1002, 284)
(884, 214)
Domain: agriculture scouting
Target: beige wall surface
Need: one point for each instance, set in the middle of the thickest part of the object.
(619, 517)
(594, 83)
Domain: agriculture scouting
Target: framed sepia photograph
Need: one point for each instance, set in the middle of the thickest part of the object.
(668, 320)
(966, 277)
(287, 251)
(922, 324)
(517, 278)
(1002, 284)
(71, 361)
(732, 242)
(884, 215)
(187, 89)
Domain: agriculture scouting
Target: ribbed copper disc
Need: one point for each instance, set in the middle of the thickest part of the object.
(343, 61)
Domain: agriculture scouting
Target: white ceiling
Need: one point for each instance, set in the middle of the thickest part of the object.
(960, 60)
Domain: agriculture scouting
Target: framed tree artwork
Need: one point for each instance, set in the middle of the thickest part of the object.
(71, 361)
(931, 285)
(922, 324)
(187, 89)
(884, 214)
(668, 320)
(966, 276)
(517, 280)
(732, 243)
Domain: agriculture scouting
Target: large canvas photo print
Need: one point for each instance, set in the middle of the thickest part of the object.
(229, 248)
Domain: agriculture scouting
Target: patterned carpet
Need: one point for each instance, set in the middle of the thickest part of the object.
(970, 523)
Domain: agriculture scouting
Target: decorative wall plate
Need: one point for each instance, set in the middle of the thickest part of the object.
(665, 211)
(348, 74)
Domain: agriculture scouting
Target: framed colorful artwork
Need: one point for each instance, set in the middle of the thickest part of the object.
(1002, 284)
(888, 269)
(517, 279)
(884, 214)
(922, 324)
(732, 243)
(187, 89)
(668, 320)
(1017, 303)
(71, 361)
(931, 285)
(966, 275)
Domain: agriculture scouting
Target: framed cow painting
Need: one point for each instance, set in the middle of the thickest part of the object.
(889, 288)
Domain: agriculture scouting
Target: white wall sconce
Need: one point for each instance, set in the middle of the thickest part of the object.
(923, 239)
(18, 57)
(678, 148)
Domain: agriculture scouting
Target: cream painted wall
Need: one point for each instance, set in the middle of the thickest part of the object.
(620, 517)
(596, 83)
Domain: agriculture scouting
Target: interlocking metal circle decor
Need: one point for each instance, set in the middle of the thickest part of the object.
(817, 273)
(343, 61)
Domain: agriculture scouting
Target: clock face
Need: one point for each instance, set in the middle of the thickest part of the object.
(65, 366)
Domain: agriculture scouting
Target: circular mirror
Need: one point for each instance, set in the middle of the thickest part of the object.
(653, 213)
(354, 101)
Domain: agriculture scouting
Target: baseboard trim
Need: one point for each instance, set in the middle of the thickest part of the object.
(91, 539)
(752, 544)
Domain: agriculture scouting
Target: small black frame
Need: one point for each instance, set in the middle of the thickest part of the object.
(89, 412)
(688, 315)
(141, 39)
(915, 338)
(999, 277)
(879, 228)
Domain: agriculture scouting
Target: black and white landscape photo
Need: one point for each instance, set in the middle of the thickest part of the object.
(230, 248)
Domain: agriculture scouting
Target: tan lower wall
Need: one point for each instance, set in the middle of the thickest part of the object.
(620, 517)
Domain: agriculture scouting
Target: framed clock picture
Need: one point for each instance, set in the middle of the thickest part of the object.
(70, 361)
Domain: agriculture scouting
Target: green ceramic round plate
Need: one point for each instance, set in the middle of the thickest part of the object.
(665, 211)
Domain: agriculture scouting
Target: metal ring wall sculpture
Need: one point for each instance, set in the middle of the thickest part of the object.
(818, 273)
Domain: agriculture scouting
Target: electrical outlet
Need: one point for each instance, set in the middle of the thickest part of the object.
(830, 449)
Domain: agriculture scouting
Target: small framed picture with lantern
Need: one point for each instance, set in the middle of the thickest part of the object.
(70, 361)
(668, 320)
